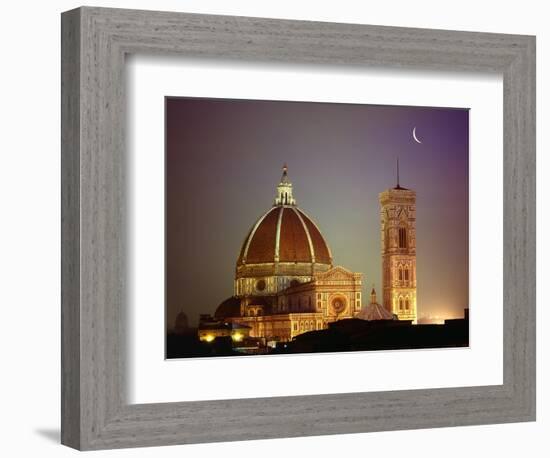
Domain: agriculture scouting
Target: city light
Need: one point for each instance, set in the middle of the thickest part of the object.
(209, 338)
(237, 337)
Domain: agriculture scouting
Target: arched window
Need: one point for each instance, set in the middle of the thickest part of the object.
(400, 303)
(402, 237)
(400, 273)
(406, 274)
(407, 305)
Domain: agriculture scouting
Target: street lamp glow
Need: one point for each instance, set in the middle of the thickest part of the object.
(237, 337)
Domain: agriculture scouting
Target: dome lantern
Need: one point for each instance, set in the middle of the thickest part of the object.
(284, 190)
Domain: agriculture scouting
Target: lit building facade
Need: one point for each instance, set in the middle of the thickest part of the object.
(398, 245)
(285, 280)
(210, 329)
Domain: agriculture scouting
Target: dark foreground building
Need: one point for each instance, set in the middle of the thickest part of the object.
(345, 335)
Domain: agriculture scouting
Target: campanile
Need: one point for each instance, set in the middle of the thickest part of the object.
(398, 244)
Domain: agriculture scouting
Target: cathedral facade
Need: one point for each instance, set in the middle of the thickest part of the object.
(286, 283)
(285, 280)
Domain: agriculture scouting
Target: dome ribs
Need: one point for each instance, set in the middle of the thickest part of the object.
(261, 246)
(284, 234)
(294, 243)
(320, 248)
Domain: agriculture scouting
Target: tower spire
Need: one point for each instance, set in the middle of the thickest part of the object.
(398, 185)
(373, 295)
(284, 190)
(398, 173)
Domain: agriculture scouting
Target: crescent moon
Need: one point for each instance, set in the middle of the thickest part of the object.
(415, 137)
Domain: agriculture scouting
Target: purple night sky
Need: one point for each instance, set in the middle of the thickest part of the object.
(224, 159)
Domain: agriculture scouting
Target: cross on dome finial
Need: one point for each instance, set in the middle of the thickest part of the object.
(284, 190)
(284, 178)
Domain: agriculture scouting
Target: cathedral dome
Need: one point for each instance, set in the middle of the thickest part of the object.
(284, 234)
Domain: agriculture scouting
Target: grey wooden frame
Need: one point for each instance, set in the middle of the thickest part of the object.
(95, 413)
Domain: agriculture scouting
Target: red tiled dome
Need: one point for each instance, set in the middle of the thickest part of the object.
(284, 234)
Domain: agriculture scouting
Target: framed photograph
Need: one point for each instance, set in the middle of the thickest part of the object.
(248, 202)
(291, 290)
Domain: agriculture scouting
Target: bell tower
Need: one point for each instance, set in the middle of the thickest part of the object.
(398, 237)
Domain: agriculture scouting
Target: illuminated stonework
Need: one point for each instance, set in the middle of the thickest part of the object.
(398, 237)
(285, 281)
(210, 330)
(329, 296)
(284, 190)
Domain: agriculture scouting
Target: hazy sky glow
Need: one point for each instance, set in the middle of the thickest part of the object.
(224, 159)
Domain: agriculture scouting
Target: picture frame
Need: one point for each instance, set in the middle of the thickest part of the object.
(95, 410)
